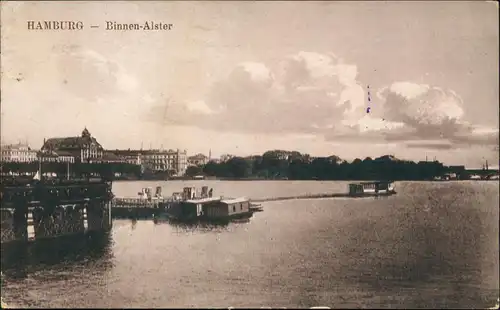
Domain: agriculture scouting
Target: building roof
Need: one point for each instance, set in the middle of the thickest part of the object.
(235, 200)
(71, 143)
(18, 146)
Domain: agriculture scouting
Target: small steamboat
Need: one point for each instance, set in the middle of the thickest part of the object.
(376, 188)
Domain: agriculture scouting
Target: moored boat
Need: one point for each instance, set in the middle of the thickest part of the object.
(209, 208)
(256, 207)
(192, 205)
(375, 188)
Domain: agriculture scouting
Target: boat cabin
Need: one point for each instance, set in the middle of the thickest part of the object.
(198, 207)
(236, 206)
(375, 188)
(212, 207)
(192, 204)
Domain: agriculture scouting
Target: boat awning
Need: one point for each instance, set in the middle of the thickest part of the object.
(235, 200)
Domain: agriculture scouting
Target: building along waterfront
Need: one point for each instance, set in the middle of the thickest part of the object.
(19, 153)
(156, 160)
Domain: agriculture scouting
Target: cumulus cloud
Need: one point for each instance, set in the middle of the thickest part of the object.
(312, 93)
(306, 93)
(431, 113)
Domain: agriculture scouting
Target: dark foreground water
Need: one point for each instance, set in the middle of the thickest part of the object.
(433, 245)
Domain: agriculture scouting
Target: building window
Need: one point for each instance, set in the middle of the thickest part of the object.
(234, 208)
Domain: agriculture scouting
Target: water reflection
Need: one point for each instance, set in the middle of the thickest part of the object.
(199, 226)
(20, 259)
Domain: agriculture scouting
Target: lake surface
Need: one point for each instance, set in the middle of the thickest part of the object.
(433, 245)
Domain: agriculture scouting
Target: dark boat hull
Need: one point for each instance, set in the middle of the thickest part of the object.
(364, 195)
(206, 219)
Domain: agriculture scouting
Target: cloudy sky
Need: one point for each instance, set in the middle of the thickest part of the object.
(246, 77)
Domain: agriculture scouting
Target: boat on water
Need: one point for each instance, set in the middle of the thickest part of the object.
(256, 207)
(375, 188)
(205, 207)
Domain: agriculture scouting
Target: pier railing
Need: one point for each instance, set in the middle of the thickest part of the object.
(140, 202)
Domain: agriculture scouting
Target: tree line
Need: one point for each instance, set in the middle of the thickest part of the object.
(296, 166)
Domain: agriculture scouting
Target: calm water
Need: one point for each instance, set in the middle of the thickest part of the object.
(431, 245)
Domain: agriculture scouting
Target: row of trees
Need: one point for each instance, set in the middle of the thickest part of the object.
(296, 166)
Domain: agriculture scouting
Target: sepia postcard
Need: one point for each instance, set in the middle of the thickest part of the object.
(249, 154)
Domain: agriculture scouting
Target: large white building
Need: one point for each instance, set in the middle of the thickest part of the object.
(21, 153)
(165, 160)
(173, 161)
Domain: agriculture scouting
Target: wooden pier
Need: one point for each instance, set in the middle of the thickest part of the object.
(34, 209)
